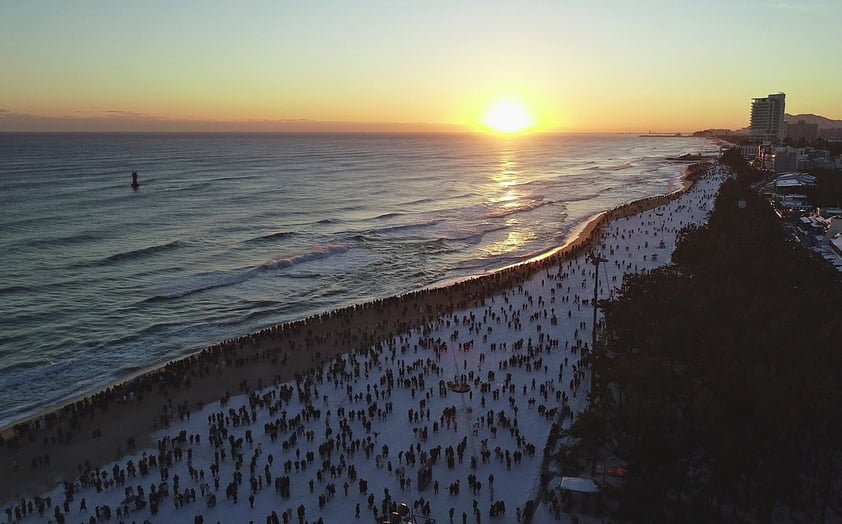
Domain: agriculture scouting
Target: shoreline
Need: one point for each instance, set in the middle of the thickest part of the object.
(585, 229)
(154, 396)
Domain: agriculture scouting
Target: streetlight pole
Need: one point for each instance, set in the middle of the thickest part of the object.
(595, 259)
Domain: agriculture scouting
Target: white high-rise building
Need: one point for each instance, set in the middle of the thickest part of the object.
(767, 117)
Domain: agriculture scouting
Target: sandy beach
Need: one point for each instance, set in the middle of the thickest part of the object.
(128, 417)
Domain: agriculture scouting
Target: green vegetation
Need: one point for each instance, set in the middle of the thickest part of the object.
(719, 377)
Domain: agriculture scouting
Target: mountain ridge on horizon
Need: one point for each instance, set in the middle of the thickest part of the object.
(809, 118)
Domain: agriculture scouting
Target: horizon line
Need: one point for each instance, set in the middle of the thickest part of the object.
(340, 132)
(17, 122)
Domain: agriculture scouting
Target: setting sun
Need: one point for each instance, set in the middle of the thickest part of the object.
(508, 117)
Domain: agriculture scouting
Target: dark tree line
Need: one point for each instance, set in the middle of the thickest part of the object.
(719, 379)
(828, 189)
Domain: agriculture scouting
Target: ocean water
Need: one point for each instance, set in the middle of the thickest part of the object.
(232, 233)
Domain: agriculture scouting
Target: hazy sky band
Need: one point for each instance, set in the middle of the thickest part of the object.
(581, 66)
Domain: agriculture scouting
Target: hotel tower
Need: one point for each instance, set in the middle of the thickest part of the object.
(767, 118)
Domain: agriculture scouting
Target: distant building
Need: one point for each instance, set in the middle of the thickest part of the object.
(713, 132)
(766, 157)
(833, 134)
(788, 182)
(802, 130)
(829, 212)
(835, 245)
(786, 159)
(767, 117)
(794, 203)
(749, 151)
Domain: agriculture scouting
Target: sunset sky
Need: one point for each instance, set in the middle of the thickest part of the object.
(580, 66)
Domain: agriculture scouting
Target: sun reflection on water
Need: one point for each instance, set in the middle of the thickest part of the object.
(504, 196)
(503, 190)
(514, 240)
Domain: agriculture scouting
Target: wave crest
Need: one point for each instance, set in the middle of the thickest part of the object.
(318, 253)
(141, 252)
(214, 280)
(524, 209)
(269, 237)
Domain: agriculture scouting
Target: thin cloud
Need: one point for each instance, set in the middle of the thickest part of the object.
(132, 115)
(126, 114)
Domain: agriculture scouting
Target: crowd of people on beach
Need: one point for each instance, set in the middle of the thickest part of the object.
(466, 385)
